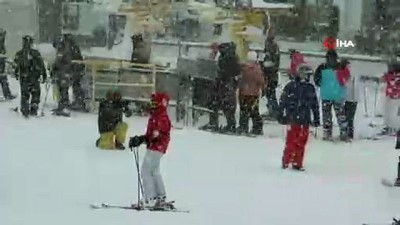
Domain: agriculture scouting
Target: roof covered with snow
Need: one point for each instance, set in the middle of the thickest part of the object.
(262, 4)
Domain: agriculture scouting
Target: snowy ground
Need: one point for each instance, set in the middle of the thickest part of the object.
(50, 172)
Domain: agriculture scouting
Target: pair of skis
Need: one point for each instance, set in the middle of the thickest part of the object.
(133, 207)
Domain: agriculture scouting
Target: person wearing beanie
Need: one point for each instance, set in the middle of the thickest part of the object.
(250, 86)
(332, 94)
(112, 129)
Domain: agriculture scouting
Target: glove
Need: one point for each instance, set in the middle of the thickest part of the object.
(316, 123)
(128, 113)
(281, 120)
(44, 80)
(136, 141)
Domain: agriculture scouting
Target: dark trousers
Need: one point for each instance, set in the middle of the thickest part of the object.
(350, 111)
(30, 97)
(5, 86)
(249, 109)
(78, 92)
(63, 87)
(223, 98)
(270, 94)
(228, 107)
(327, 118)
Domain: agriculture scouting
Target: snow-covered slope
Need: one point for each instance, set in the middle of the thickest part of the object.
(50, 172)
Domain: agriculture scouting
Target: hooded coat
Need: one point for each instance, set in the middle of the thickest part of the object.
(159, 125)
(299, 103)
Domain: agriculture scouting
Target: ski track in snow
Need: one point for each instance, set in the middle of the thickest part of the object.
(50, 173)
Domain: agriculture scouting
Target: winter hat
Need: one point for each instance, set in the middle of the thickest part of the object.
(113, 94)
(304, 71)
(252, 56)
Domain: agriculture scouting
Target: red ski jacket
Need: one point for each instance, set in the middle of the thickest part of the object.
(159, 124)
(392, 80)
(343, 75)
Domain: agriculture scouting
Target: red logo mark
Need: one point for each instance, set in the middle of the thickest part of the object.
(330, 43)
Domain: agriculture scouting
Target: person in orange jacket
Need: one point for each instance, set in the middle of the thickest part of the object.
(250, 86)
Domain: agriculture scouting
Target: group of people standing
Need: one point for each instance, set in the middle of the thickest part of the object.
(30, 69)
(251, 79)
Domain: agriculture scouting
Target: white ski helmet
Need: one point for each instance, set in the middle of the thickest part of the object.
(304, 71)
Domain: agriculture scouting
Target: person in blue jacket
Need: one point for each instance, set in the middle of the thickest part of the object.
(298, 108)
(332, 93)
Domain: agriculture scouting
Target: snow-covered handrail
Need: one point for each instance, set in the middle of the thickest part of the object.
(315, 54)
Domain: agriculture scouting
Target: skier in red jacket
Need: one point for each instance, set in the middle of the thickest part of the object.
(157, 139)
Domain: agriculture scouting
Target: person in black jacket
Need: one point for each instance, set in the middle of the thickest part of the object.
(65, 73)
(298, 101)
(111, 127)
(225, 87)
(270, 66)
(29, 69)
(3, 77)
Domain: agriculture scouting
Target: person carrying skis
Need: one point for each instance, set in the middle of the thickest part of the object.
(111, 127)
(157, 138)
(250, 84)
(297, 102)
(332, 93)
(29, 69)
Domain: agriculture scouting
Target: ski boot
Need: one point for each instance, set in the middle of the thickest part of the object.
(298, 168)
(284, 166)
(61, 112)
(209, 127)
(162, 204)
(242, 130)
(78, 106)
(257, 132)
(119, 146)
(228, 129)
(144, 204)
(327, 136)
(10, 97)
(97, 142)
(33, 111)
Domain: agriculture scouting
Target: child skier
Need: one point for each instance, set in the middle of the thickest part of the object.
(157, 139)
(297, 102)
(350, 106)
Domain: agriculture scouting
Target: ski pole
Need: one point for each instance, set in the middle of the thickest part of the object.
(140, 186)
(45, 99)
